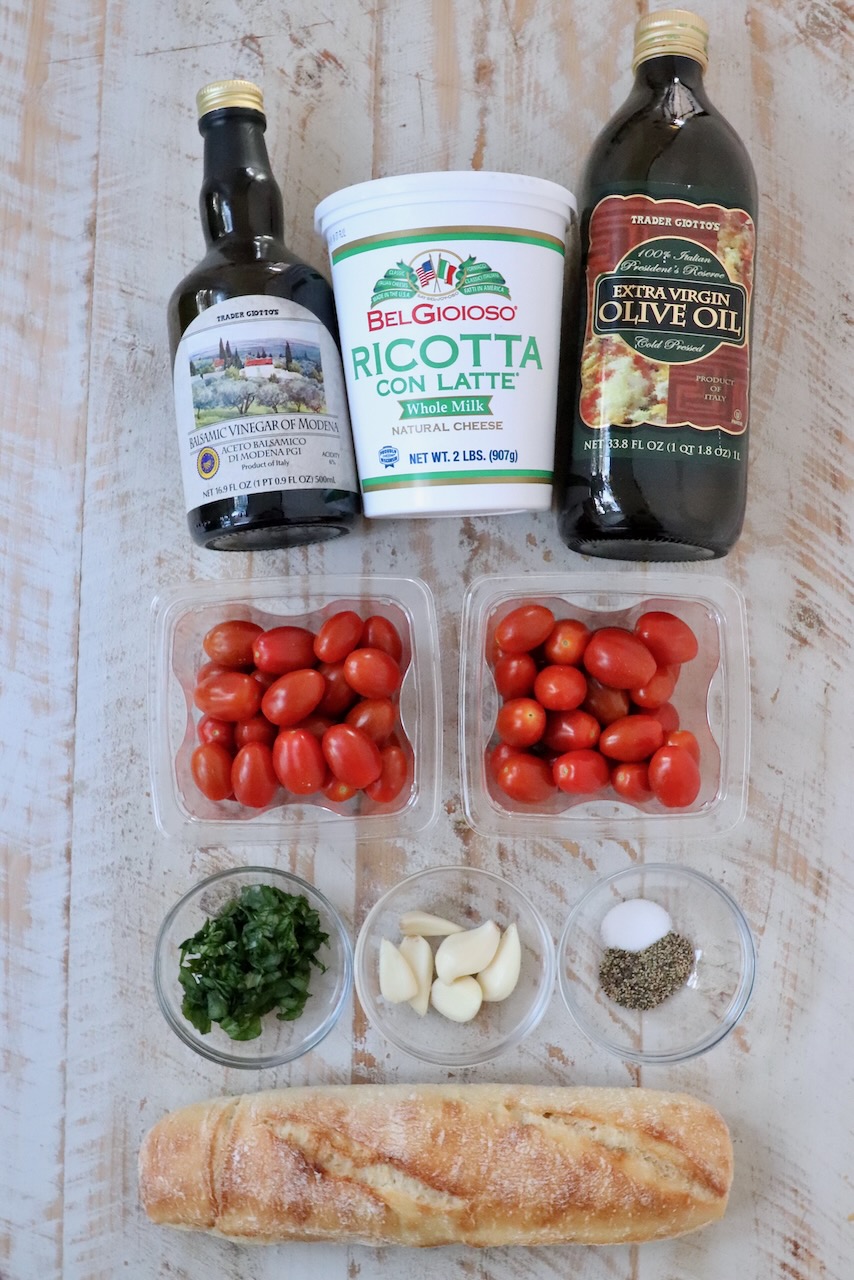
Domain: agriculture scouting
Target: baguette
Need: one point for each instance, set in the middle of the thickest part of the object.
(440, 1164)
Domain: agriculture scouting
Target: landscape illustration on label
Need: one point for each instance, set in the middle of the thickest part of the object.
(241, 379)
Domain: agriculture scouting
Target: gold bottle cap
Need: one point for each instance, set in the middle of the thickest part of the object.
(229, 93)
(671, 31)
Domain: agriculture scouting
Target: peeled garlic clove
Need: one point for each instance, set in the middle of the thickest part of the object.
(397, 981)
(418, 954)
(463, 954)
(458, 1000)
(500, 976)
(424, 925)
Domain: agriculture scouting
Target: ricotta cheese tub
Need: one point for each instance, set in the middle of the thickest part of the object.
(448, 289)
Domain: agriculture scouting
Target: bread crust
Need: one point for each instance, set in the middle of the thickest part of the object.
(431, 1165)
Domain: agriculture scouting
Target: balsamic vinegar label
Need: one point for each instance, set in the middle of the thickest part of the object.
(260, 402)
(668, 303)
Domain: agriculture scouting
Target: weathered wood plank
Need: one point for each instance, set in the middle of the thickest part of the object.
(50, 60)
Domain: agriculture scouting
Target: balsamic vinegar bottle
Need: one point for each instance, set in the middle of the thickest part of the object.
(661, 400)
(263, 427)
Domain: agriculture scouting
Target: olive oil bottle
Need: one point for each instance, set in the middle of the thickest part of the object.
(658, 467)
(263, 428)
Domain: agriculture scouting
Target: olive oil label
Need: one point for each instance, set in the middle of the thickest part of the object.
(450, 338)
(260, 402)
(668, 303)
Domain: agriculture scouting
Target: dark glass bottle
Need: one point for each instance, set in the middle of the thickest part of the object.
(658, 467)
(264, 433)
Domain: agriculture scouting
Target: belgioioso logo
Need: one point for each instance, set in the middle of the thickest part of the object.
(439, 273)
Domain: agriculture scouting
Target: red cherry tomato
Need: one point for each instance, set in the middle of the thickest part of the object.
(208, 669)
(230, 643)
(667, 716)
(253, 777)
(232, 695)
(667, 637)
(685, 739)
(293, 697)
(525, 778)
(605, 704)
(337, 791)
(316, 724)
(581, 772)
(338, 636)
(498, 756)
(524, 628)
(390, 783)
(566, 642)
(264, 678)
(631, 738)
(656, 691)
(521, 722)
(379, 633)
(338, 695)
(258, 729)
(631, 781)
(515, 674)
(298, 761)
(372, 672)
(674, 776)
(374, 716)
(618, 659)
(560, 688)
(283, 649)
(570, 731)
(210, 766)
(211, 730)
(351, 755)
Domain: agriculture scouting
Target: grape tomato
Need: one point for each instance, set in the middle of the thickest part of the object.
(230, 695)
(524, 628)
(515, 674)
(380, 633)
(393, 776)
(352, 756)
(293, 697)
(253, 778)
(667, 637)
(338, 636)
(211, 769)
(230, 643)
(372, 672)
(674, 776)
(525, 778)
(618, 659)
(283, 649)
(299, 761)
(521, 722)
(211, 730)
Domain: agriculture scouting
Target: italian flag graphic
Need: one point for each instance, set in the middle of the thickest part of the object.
(445, 271)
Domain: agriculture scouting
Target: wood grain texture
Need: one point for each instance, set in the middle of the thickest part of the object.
(49, 112)
(101, 163)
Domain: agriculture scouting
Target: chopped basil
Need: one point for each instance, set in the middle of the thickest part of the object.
(254, 956)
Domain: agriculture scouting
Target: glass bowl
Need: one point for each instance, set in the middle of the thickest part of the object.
(279, 1042)
(711, 700)
(468, 897)
(182, 616)
(699, 1014)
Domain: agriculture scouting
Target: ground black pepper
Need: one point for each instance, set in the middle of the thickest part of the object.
(643, 979)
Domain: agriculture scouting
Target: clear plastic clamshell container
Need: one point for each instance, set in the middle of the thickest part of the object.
(183, 616)
(711, 698)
